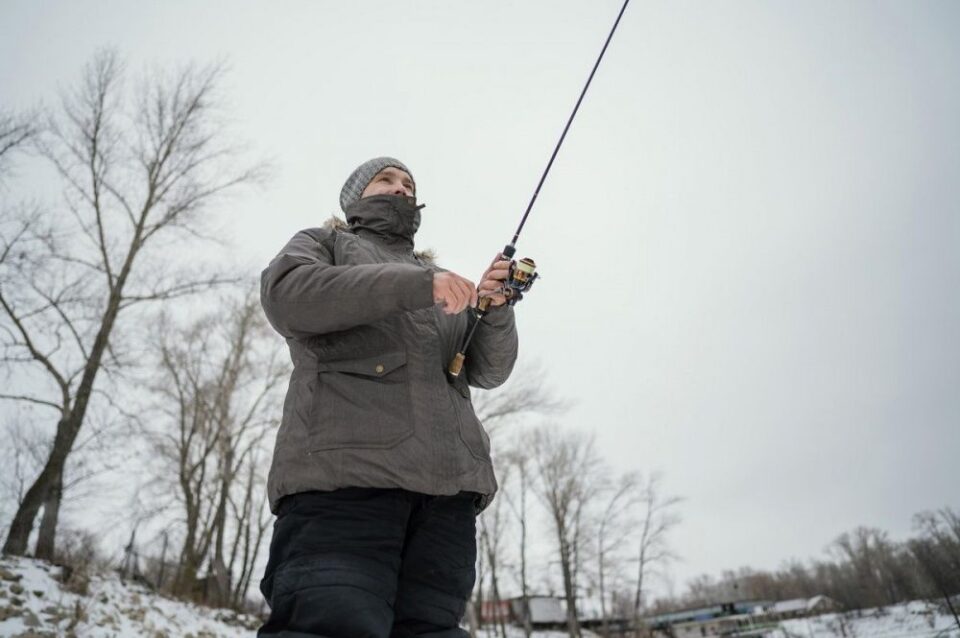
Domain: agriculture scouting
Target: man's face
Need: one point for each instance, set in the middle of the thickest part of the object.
(389, 181)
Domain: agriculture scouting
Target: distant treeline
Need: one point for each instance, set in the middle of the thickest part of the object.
(864, 569)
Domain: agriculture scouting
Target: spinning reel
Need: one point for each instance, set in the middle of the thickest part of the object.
(522, 275)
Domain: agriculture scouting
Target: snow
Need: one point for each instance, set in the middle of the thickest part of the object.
(33, 603)
(917, 619)
(517, 632)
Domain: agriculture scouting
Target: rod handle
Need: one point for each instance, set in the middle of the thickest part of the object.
(456, 365)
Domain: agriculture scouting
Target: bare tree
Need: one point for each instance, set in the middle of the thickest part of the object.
(526, 394)
(570, 476)
(614, 528)
(138, 175)
(937, 552)
(936, 570)
(865, 569)
(873, 561)
(659, 517)
(251, 521)
(492, 526)
(216, 399)
(942, 528)
(515, 495)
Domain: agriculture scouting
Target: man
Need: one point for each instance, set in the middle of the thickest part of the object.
(380, 465)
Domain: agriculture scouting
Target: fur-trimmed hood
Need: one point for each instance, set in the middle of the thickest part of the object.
(339, 224)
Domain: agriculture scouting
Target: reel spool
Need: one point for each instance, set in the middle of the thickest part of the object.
(522, 275)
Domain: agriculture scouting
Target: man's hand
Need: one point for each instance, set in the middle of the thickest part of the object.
(453, 292)
(491, 284)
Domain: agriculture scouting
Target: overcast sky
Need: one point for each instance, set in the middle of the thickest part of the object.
(749, 242)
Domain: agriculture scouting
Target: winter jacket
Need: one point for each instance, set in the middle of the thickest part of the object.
(369, 402)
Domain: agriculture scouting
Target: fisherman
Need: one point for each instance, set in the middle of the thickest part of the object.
(381, 464)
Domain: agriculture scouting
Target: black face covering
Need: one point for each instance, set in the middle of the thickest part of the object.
(391, 219)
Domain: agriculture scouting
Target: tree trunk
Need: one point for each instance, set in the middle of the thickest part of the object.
(641, 567)
(603, 595)
(573, 625)
(220, 576)
(524, 590)
(637, 630)
(19, 533)
(46, 539)
(36, 496)
(253, 560)
(485, 544)
(190, 565)
(163, 558)
(496, 597)
(67, 430)
(190, 559)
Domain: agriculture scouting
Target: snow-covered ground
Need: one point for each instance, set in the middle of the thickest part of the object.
(34, 604)
(916, 619)
(517, 632)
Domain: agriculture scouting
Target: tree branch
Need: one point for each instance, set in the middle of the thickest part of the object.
(35, 400)
(179, 290)
(37, 355)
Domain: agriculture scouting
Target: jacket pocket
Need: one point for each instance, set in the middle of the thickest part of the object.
(472, 433)
(361, 403)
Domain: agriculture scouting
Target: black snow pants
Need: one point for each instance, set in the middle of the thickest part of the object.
(370, 563)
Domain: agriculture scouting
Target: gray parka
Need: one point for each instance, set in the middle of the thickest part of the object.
(369, 402)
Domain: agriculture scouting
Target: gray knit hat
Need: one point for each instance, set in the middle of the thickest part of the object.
(360, 178)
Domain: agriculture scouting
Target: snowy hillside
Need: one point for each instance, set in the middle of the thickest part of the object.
(34, 604)
(917, 619)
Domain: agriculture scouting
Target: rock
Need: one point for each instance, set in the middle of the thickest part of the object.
(38, 593)
(60, 617)
(16, 588)
(7, 612)
(6, 574)
(135, 614)
(30, 619)
(16, 601)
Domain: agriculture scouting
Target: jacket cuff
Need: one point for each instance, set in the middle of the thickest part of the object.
(499, 316)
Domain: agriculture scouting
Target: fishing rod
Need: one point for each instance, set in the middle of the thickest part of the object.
(524, 272)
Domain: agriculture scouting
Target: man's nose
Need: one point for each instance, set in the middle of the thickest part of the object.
(400, 189)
